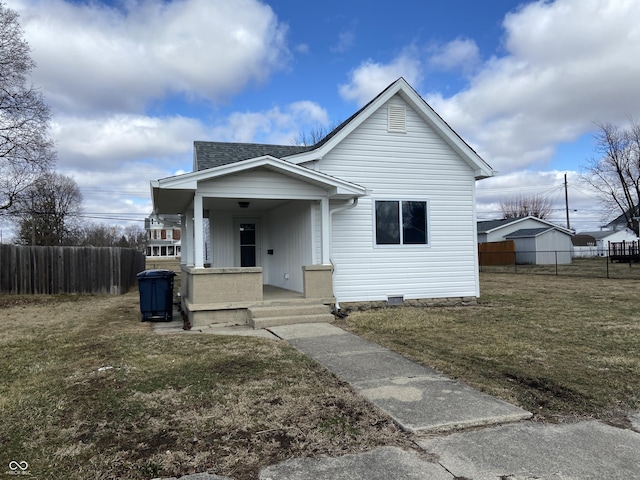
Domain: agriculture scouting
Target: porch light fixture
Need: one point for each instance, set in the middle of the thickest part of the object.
(243, 204)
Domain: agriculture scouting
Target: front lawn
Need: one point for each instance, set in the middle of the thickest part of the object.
(561, 347)
(88, 392)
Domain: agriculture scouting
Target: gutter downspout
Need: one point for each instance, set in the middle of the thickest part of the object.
(331, 212)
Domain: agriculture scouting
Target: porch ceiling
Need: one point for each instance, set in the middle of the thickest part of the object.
(169, 201)
(256, 205)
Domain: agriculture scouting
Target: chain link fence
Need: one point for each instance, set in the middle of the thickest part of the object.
(559, 262)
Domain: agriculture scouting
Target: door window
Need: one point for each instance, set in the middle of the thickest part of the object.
(247, 244)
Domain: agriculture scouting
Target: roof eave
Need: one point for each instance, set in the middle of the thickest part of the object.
(189, 181)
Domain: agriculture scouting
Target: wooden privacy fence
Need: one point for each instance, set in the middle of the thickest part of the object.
(54, 270)
(497, 253)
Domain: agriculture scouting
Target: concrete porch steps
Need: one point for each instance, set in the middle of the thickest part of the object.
(278, 315)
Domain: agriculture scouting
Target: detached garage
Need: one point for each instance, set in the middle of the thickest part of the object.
(542, 246)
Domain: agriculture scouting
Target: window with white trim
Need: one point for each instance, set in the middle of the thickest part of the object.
(401, 222)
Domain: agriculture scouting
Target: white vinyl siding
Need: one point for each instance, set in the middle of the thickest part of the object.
(221, 235)
(416, 166)
(261, 183)
(289, 236)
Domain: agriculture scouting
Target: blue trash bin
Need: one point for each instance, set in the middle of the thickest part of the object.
(156, 294)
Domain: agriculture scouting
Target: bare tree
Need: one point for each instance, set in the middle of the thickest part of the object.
(98, 235)
(522, 206)
(101, 235)
(136, 237)
(314, 135)
(26, 151)
(47, 212)
(615, 174)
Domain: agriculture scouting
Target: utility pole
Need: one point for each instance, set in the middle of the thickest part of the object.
(33, 223)
(566, 200)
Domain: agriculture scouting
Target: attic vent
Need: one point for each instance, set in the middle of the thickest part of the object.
(397, 118)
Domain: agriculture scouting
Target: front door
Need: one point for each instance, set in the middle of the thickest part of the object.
(248, 242)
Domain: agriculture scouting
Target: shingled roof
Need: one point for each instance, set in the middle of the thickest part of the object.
(528, 232)
(485, 226)
(214, 154)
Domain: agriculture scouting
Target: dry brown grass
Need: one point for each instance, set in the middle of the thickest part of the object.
(561, 347)
(88, 392)
(598, 267)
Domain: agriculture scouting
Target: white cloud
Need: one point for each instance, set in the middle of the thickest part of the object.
(461, 53)
(279, 126)
(107, 143)
(113, 157)
(370, 78)
(121, 59)
(584, 211)
(562, 72)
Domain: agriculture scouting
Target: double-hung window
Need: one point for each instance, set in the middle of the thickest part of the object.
(401, 222)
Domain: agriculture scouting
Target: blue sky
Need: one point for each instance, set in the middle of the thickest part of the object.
(133, 83)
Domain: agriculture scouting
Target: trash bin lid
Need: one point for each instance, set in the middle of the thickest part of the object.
(156, 274)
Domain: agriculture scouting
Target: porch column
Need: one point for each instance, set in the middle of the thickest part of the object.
(184, 240)
(187, 248)
(198, 231)
(326, 229)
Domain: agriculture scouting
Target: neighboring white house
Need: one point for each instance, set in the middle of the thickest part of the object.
(596, 244)
(380, 210)
(163, 236)
(537, 241)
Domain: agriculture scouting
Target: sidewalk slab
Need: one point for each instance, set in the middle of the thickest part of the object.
(428, 405)
(176, 326)
(418, 398)
(308, 330)
(580, 451)
(383, 463)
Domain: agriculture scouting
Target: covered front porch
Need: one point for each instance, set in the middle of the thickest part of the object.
(250, 226)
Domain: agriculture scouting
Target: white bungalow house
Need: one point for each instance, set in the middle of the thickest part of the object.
(381, 211)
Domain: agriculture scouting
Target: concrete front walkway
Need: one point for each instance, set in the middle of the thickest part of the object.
(418, 398)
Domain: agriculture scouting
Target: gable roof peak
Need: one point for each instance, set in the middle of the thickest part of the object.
(214, 154)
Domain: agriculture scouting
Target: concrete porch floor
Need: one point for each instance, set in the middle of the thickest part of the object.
(271, 293)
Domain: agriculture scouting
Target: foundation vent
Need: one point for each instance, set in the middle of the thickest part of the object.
(396, 300)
